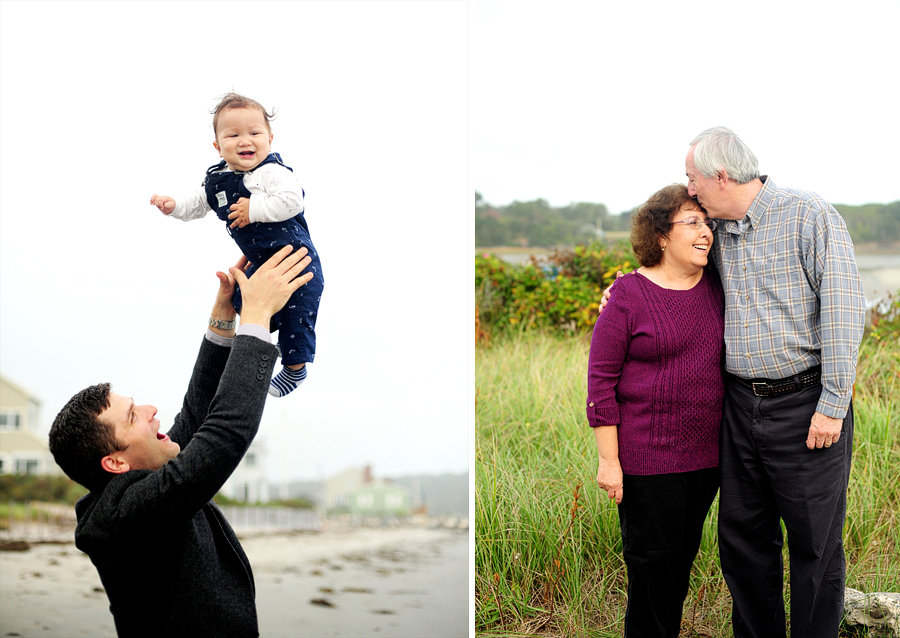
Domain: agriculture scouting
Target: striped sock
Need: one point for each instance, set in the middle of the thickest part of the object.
(286, 381)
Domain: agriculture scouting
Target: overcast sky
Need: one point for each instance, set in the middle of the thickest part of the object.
(105, 104)
(598, 101)
(392, 114)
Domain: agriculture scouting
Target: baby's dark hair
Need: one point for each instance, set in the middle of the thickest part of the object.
(237, 101)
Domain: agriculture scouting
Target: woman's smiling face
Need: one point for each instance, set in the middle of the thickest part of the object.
(687, 249)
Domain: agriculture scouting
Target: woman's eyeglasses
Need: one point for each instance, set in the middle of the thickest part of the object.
(696, 223)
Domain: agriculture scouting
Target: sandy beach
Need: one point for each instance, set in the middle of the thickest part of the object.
(344, 581)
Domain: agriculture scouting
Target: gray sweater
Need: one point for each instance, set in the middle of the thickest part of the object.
(169, 561)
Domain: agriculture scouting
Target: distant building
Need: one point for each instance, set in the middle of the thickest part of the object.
(339, 487)
(22, 449)
(248, 482)
(380, 498)
(354, 491)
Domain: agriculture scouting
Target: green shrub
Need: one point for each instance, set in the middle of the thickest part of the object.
(884, 319)
(561, 292)
(47, 489)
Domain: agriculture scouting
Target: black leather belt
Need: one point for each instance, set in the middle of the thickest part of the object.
(774, 387)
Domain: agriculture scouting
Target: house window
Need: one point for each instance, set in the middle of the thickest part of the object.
(26, 466)
(364, 500)
(250, 459)
(10, 420)
(393, 500)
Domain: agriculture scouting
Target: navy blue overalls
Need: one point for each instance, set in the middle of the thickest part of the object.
(296, 322)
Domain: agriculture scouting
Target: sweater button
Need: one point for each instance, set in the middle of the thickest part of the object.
(260, 377)
(591, 404)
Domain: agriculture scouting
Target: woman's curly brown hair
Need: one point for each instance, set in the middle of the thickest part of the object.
(653, 220)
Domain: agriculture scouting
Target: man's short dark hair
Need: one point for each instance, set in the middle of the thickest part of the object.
(79, 439)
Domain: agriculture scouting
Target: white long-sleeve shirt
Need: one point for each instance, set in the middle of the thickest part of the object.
(276, 195)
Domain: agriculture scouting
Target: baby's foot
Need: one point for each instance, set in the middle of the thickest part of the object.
(286, 381)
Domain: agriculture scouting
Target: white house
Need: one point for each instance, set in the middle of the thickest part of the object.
(22, 449)
(248, 482)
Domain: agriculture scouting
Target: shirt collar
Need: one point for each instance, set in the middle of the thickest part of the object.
(762, 201)
(756, 210)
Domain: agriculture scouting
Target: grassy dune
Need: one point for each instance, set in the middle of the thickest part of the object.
(548, 550)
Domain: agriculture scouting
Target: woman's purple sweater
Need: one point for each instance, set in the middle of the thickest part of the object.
(655, 370)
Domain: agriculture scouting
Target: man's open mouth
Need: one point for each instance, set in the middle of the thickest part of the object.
(161, 437)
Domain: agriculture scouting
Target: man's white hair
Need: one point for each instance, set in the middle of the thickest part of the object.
(719, 148)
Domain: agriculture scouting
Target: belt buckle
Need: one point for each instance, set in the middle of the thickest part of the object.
(762, 387)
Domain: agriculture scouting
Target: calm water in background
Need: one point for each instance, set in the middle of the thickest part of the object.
(880, 275)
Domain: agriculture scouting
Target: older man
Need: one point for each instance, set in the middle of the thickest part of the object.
(169, 561)
(794, 314)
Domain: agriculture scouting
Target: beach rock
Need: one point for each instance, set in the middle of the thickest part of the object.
(879, 612)
(14, 546)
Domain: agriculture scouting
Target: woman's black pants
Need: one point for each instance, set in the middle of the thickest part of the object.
(661, 518)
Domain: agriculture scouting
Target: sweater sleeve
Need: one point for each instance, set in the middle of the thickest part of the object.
(609, 347)
(175, 493)
(208, 368)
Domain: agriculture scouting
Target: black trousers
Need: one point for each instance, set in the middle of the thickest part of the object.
(661, 518)
(768, 475)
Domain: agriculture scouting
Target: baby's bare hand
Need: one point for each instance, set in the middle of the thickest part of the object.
(164, 203)
(240, 213)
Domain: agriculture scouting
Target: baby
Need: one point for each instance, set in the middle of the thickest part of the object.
(261, 203)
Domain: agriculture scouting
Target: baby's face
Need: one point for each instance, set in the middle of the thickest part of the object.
(242, 138)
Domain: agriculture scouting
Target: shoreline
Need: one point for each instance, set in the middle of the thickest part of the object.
(398, 582)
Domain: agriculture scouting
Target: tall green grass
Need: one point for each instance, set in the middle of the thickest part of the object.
(548, 548)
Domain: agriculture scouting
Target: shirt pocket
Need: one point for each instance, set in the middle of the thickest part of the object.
(784, 285)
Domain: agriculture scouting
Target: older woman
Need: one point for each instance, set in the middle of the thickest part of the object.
(655, 401)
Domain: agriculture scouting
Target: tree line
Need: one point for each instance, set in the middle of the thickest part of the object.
(538, 224)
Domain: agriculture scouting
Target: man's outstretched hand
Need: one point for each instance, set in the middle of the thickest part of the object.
(273, 283)
(605, 299)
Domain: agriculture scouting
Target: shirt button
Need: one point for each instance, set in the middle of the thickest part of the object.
(745, 268)
(591, 404)
(746, 325)
(748, 297)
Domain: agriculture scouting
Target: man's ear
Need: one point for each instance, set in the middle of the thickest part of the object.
(114, 464)
(721, 178)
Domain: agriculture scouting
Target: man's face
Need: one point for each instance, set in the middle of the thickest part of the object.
(706, 190)
(137, 430)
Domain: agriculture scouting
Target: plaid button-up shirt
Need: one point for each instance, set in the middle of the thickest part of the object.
(793, 297)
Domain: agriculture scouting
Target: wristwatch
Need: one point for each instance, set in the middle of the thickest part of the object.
(222, 325)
